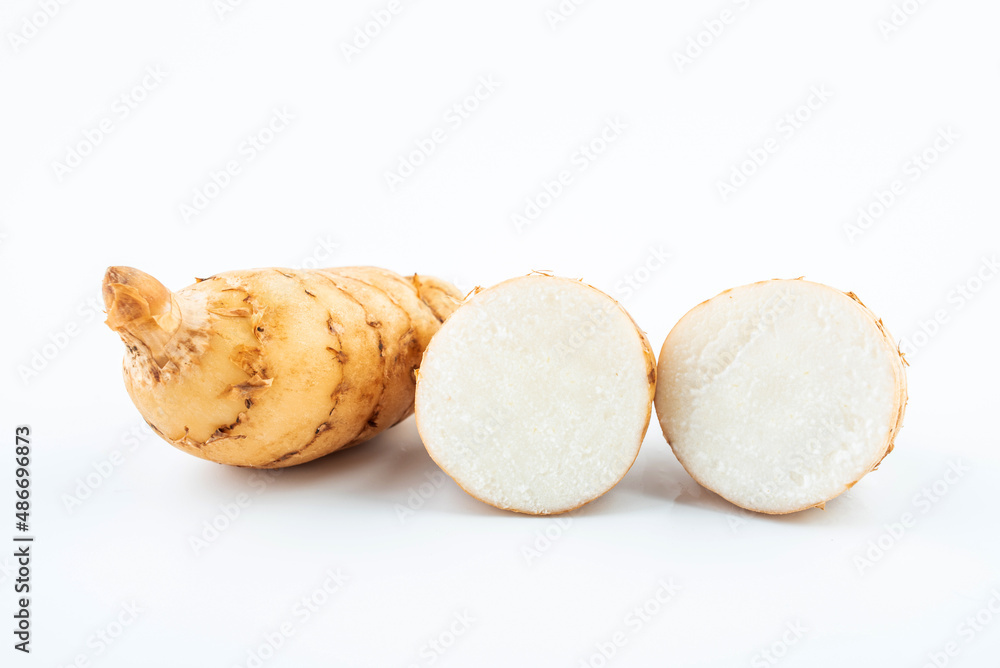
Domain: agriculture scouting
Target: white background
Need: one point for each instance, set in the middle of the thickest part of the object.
(317, 192)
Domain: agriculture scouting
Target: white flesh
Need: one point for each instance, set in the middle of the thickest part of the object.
(779, 395)
(535, 395)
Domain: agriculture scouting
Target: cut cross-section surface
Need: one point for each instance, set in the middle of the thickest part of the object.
(780, 395)
(536, 394)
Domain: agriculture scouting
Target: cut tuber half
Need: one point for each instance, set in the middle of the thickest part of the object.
(536, 394)
(780, 395)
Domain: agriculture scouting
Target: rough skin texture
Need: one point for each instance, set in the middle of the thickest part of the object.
(268, 368)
